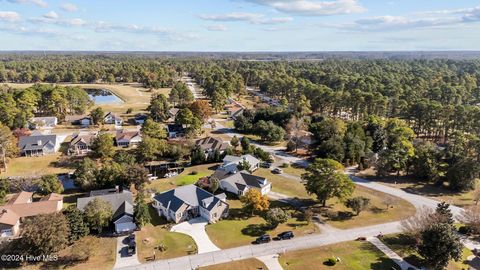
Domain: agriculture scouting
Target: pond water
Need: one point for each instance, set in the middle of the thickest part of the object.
(103, 96)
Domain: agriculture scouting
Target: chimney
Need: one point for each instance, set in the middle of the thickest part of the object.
(39, 142)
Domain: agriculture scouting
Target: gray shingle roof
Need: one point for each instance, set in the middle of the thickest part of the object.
(210, 143)
(243, 178)
(122, 203)
(190, 195)
(36, 142)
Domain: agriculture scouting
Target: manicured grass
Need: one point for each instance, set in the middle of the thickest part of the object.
(35, 166)
(283, 185)
(400, 244)
(185, 178)
(241, 229)
(249, 264)
(151, 236)
(353, 256)
(70, 198)
(376, 213)
(293, 170)
(440, 193)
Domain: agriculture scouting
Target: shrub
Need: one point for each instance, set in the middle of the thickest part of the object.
(194, 173)
(285, 165)
(331, 261)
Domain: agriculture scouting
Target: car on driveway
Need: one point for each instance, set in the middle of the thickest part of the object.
(263, 239)
(131, 239)
(285, 235)
(266, 165)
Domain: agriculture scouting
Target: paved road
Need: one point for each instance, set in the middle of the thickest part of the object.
(195, 228)
(275, 247)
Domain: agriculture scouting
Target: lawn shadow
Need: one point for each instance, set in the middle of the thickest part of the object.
(255, 230)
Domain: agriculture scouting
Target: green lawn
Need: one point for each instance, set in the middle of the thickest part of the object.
(240, 229)
(376, 213)
(353, 255)
(400, 244)
(248, 264)
(151, 236)
(185, 178)
(283, 185)
(35, 166)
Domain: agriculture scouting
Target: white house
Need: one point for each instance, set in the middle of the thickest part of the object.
(111, 118)
(230, 163)
(240, 182)
(43, 122)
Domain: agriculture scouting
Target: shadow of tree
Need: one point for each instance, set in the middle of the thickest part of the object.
(255, 230)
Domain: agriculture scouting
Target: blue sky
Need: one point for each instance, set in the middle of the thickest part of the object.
(239, 25)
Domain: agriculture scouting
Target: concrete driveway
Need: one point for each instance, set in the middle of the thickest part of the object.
(123, 260)
(195, 228)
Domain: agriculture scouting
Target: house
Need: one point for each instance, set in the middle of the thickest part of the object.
(173, 114)
(175, 131)
(81, 143)
(79, 120)
(22, 206)
(111, 118)
(210, 145)
(234, 109)
(187, 202)
(125, 138)
(230, 163)
(140, 119)
(240, 182)
(38, 145)
(43, 122)
(122, 207)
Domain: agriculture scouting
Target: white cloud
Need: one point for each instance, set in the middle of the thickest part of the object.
(9, 16)
(217, 27)
(246, 17)
(313, 7)
(69, 7)
(76, 22)
(52, 15)
(39, 3)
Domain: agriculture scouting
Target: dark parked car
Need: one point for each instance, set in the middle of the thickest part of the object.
(266, 165)
(131, 239)
(131, 250)
(263, 239)
(285, 235)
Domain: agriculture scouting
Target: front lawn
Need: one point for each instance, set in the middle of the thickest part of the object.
(247, 264)
(436, 192)
(353, 256)
(339, 216)
(100, 251)
(241, 229)
(187, 177)
(283, 185)
(157, 234)
(400, 244)
(35, 166)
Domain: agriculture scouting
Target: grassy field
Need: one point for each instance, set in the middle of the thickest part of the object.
(102, 255)
(35, 166)
(400, 245)
(353, 256)
(283, 185)
(376, 213)
(157, 233)
(440, 193)
(241, 229)
(293, 170)
(133, 95)
(249, 264)
(185, 178)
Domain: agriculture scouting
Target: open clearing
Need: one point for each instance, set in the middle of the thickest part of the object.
(353, 256)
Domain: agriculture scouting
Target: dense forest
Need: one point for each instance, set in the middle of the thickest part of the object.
(402, 113)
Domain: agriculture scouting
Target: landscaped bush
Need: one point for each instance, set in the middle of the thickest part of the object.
(285, 165)
(467, 230)
(194, 173)
(331, 261)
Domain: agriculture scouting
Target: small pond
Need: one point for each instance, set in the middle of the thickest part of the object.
(103, 96)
